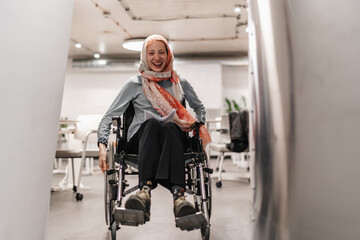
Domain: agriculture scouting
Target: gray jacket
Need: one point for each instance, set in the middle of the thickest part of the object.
(133, 92)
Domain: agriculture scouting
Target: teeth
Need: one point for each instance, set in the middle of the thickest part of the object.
(157, 64)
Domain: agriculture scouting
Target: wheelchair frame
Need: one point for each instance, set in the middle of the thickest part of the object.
(197, 179)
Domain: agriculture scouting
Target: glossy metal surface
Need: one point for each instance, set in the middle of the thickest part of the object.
(305, 121)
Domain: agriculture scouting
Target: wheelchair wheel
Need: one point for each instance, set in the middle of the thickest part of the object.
(209, 195)
(208, 192)
(110, 220)
(113, 229)
(110, 187)
(109, 203)
(205, 233)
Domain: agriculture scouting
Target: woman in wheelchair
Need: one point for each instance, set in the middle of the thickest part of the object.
(159, 145)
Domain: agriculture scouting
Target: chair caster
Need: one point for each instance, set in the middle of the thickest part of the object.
(74, 189)
(79, 196)
(219, 184)
(217, 169)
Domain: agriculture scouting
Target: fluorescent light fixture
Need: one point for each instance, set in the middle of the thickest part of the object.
(237, 9)
(134, 44)
(77, 45)
(102, 62)
(96, 55)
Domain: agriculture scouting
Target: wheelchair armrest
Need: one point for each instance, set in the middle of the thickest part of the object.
(196, 126)
(194, 141)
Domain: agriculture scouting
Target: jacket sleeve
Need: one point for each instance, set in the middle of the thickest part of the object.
(117, 108)
(193, 100)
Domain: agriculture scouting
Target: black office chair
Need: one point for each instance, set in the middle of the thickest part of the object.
(198, 181)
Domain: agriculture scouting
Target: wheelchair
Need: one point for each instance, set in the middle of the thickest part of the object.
(197, 179)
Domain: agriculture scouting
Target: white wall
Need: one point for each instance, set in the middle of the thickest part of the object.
(235, 85)
(31, 83)
(325, 53)
(206, 80)
(306, 119)
(91, 92)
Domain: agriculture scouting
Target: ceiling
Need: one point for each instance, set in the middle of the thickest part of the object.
(193, 27)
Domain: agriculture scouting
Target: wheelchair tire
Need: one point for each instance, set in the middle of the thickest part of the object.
(110, 190)
(113, 228)
(110, 196)
(209, 196)
(107, 201)
(205, 233)
(197, 201)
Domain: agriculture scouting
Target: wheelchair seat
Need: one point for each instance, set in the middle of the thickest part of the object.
(197, 179)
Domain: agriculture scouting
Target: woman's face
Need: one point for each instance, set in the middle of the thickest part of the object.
(156, 56)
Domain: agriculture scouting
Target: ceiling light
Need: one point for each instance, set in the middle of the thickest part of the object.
(134, 44)
(237, 9)
(96, 55)
(77, 45)
(102, 62)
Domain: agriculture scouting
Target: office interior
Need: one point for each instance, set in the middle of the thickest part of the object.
(291, 64)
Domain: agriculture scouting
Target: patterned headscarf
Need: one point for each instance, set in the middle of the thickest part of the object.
(162, 101)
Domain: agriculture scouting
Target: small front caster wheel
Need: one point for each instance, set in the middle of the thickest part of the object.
(74, 188)
(79, 197)
(219, 184)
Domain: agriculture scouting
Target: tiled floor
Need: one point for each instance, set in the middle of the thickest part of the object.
(71, 220)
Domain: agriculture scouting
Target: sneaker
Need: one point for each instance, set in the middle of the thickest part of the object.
(140, 201)
(183, 208)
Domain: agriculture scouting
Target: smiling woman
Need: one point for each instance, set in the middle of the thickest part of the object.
(156, 56)
(160, 146)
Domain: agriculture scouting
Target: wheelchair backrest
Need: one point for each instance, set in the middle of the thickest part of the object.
(128, 118)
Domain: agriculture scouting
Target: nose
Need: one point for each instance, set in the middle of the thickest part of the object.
(157, 56)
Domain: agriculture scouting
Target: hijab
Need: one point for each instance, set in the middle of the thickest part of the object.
(161, 100)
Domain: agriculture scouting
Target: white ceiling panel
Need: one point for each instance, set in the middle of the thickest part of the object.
(193, 26)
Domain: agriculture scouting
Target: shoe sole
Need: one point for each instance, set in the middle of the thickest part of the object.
(137, 204)
(185, 210)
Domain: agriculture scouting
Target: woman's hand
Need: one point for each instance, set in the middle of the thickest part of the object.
(186, 126)
(102, 157)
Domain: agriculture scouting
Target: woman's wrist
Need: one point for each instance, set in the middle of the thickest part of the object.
(102, 147)
(102, 141)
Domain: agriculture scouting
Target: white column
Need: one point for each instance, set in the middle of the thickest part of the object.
(325, 171)
(33, 46)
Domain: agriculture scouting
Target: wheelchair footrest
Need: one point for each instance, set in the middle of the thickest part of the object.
(191, 222)
(130, 217)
